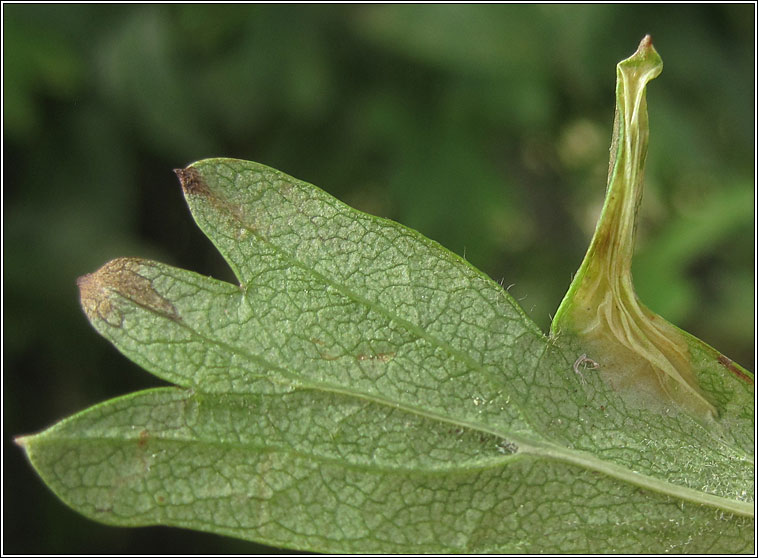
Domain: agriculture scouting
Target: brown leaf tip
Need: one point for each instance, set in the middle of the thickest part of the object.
(121, 277)
(192, 182)
(92, 296)
(645, 44)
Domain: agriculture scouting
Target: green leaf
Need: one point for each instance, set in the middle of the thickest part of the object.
(362, 389)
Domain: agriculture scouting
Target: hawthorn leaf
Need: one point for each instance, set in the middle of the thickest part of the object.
(362, 389)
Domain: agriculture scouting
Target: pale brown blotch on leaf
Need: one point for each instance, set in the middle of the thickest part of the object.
(121, 277)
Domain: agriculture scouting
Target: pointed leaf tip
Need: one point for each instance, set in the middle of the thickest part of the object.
(192, 182)
(642, 66)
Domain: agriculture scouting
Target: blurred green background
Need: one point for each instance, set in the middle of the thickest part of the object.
(484, 127)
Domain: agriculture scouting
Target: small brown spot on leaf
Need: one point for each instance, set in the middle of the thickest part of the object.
(734, 369)
(143, 436)
(192, 182)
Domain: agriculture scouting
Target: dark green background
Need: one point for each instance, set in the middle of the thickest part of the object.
(484, 127)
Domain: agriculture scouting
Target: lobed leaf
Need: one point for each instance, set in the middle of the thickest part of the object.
(362, 389)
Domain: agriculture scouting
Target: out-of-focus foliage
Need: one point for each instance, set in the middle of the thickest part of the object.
(484, 127)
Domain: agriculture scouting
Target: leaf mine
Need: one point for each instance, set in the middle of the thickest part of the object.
(639, 353)
(120, 277)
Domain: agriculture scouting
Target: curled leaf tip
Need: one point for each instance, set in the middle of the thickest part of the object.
(639, 353)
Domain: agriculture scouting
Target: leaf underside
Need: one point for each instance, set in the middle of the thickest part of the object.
(363, 389)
